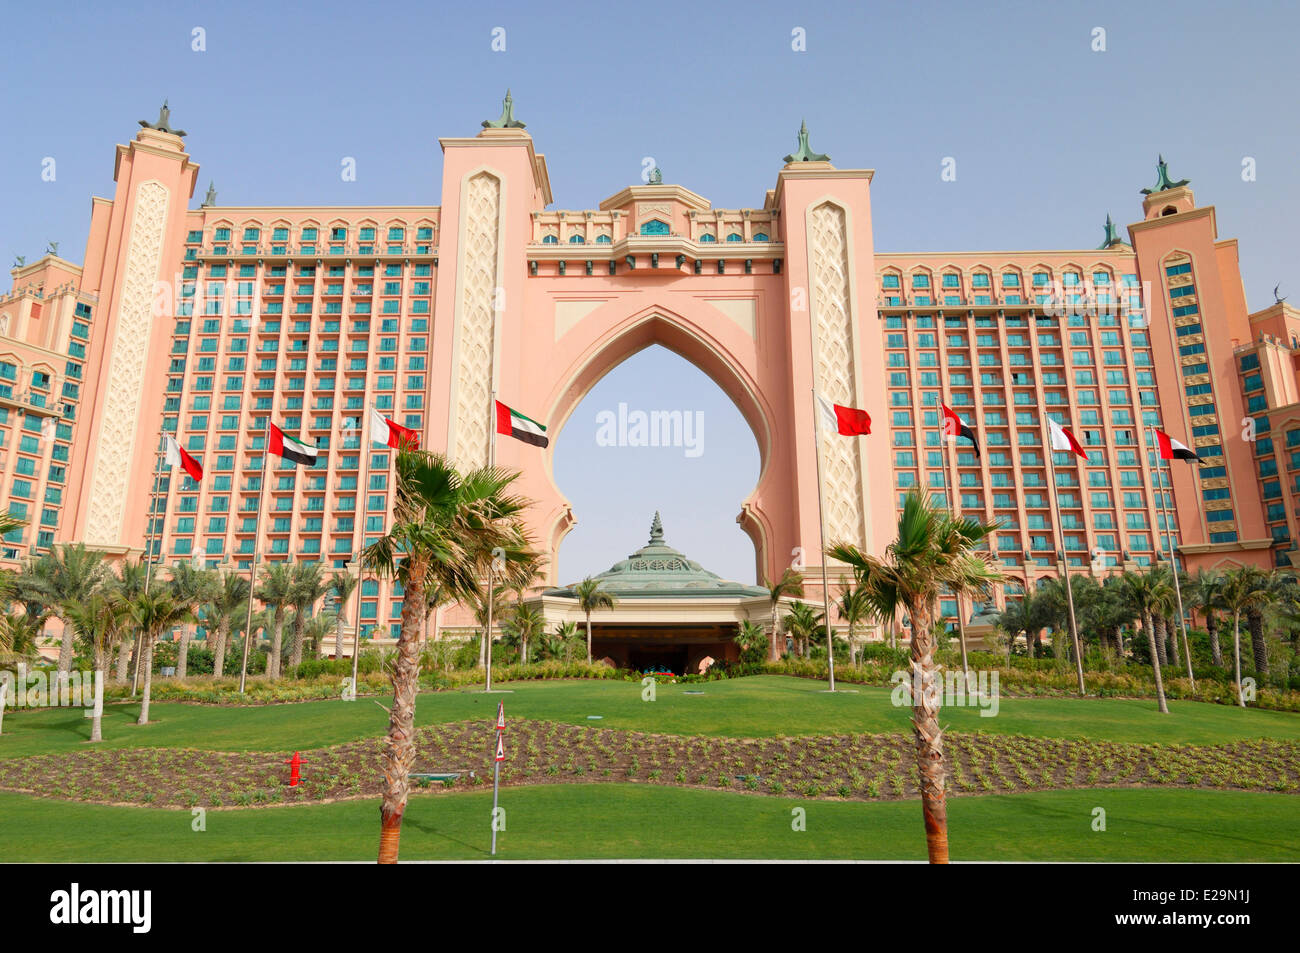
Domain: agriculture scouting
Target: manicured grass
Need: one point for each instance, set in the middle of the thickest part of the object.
(628, 820)
(759, 706)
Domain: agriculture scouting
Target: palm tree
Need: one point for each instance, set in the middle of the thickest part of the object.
(191, 587)
(523, 624)
(276, 593)
(225, 610)
(560, 642)
(1017, 617)
(434, 600)
(128, 584)
(317, 629)
(934, 550)
(854, 607)
(307, 589)
(790, 584)
(67, 575)
(341, 587)
(447, 529)
(590, 598)
(752, 641)
(1273, 583)
(499, 608)
(1149, 594)
(99, 621)
(1242, 590)
(802, 622)
(154, 612)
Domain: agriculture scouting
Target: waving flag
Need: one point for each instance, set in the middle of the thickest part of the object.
(953, 426)
(385, 431)
(175, 456)
(514, 424)
(846, 421)
(290, 448)
(1063, 439)
(1171, 449)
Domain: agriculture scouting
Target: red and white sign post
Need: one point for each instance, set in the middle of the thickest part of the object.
(498, 756)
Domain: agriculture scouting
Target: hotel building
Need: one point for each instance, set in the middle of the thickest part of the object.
(208, 321)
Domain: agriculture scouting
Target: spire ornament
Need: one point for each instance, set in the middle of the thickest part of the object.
(656, 530)
(164, 117)
(1112, 236)
(211, 198)
(804, 153)
(507, 120)
(1163, 182)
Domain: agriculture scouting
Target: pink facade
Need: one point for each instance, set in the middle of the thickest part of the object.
(210, 321)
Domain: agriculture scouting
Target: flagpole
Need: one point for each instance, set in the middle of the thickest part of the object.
(367, 442)
(946, 446)
(1173, 560)
(1062, 552)
(487, 637)
(252, 574)
(148, 569)
(821, 529)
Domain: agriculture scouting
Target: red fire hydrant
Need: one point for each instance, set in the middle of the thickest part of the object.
(294, 763)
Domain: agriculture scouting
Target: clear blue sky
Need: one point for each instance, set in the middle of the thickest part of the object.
(1048, 136)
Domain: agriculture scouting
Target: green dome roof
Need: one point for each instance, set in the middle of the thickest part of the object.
(656, 570)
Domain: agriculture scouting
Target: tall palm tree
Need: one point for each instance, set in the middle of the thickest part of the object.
(854, 607)
(523, 624)
(1017, 618)
(802, 622)
(590, 598)
(447, 528)
(317, 630)
(1273, 584)
(154, 612)
(276, 593)
(790, 584)
(128, 584)
(309, 586)
(192, 587)
(341, 587)
(1243, 589)
(226, 609)
(99, 621)
(934, 550)
(68, 574)
(1149, 594)
(560, 642)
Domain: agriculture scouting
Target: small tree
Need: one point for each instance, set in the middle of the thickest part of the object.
(590, 598)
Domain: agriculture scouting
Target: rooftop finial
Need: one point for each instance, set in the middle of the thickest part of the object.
(211, 198)
(804, 153)
(164, 117)
(507, 120)
(656, 529)
(1163, 182)
(655, 177)
(1112, 236)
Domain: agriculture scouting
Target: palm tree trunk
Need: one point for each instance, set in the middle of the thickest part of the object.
(1171, 626)
(219, 649)
(588, 638)
(774, 654)
(1236, 656)
(929, 737)
(1152, 637)
(65, 653)
(277, 637)
(1158, 639)
(295, 653)
(399, 746)
(123, 660)
(97, 716)
(1255, 622)
(146, 662)
(1212, 627)
(183, 652)
(338, 634)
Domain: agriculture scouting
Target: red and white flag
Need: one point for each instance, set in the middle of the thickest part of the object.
(175, 456)
(1063, 439)
(1171, 449)
(385, 431)
(846, 421)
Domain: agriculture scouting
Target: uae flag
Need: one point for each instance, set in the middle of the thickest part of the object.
(845, 421)
(175, 456)
(291, 448)
(952, 426)
(514, 424)
(1171, 449)
(385, 431)
(1063, 439)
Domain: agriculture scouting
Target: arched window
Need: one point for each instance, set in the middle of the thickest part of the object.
(654, 227)
(550, 240)
(602, 239)
(706, 237)
(733, 237)
(761, 237)
(577, 240)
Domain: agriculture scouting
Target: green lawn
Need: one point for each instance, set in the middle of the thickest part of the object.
(629, 820)
(758, 706)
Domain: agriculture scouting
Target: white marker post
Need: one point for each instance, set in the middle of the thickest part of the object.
(498, 757)
(4, 688)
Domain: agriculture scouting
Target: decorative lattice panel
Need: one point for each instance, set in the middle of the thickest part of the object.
(122, 402)
(478, 300)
